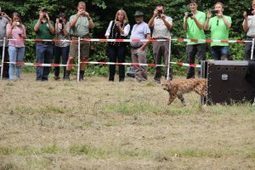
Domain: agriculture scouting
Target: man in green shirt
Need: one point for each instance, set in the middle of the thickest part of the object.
(194, 26)
(44, 29)
(80, 24)
(219, 27)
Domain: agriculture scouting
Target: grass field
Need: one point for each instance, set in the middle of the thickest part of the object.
(97, 124)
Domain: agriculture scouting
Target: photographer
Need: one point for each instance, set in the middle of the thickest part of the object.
(61, 49)
(44, 29)
(161, 25)
(219, 27)
(80, 24)
(4, 20)
(16, 31)
(249, 28)
(119, 28)
(194, 27)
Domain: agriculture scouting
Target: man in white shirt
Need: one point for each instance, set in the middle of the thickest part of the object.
(140, 31)
(161, 25)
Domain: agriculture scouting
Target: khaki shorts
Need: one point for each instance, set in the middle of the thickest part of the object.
(85, 47)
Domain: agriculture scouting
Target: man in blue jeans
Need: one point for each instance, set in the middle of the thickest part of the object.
(44, 29)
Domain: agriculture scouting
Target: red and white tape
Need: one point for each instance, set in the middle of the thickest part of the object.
(94, 40)
(210, 40)
(137, 40)
(105, 63)
(186, 64)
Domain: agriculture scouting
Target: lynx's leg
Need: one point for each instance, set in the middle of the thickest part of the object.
(171, 98)
(181, 98)
(200, 89)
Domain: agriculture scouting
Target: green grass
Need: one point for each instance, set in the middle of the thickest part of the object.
(98, 124)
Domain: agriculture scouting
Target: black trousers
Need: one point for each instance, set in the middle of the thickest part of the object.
(116, 54)
(5, 65)
(192, 51)
(60, 54)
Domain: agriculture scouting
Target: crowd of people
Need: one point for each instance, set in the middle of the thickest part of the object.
(195, 23)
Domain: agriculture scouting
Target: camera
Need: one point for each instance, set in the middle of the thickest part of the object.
(190, 14)
(249, 11)
(160, 12)
(60, 21)
(213, 11)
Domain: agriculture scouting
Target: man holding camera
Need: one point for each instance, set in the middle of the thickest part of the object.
(194, 27)
(219, 27)
(4, 20)
(249, 28)
(80, 24)
(161, 25)
(61, 50)
(44, 29)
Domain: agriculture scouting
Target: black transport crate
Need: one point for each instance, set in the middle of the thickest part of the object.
(227, 82)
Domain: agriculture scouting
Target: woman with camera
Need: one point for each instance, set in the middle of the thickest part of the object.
(249, 28)
(219, 26)
(61, 50)
(16, 31)
(116, 51)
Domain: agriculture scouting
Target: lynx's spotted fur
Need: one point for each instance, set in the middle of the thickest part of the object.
(178, 87)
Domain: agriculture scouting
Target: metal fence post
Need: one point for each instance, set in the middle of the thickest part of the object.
(169, 58)
(3, 57)
(252, 48)
(79, 59)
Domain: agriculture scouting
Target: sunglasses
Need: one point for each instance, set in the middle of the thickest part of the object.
(217, 23)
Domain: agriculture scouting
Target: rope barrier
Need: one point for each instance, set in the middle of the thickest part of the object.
(210, 40)
(181, 64)
(136, 40)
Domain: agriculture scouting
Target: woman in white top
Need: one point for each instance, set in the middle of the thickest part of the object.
(116, 51)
